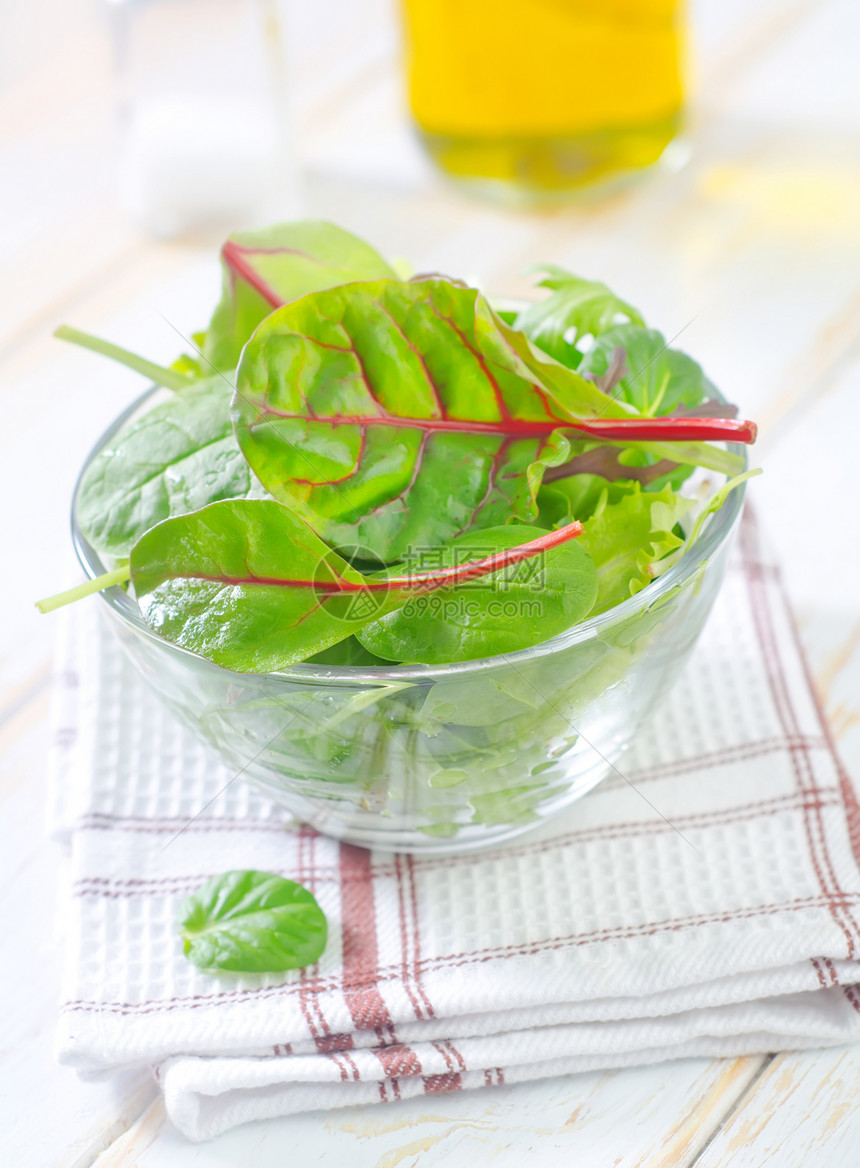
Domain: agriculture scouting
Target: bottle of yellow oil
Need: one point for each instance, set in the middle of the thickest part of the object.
(539, 96)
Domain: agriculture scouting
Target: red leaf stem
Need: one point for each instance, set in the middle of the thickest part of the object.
(670, 429)
(234, 256)
(460, 573)
(419, 581)
(610, 430)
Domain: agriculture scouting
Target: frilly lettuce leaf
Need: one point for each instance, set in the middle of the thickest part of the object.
(584, 307)
(577, 497)
(710, 507)
(626, 538)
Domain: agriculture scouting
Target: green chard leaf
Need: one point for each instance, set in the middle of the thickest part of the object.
(267, 268)
(657, 379)
(625, 539)
(500, 613)
(252, 922)
(174, 459)
(576, 308)
(247, 585)
(394, 415)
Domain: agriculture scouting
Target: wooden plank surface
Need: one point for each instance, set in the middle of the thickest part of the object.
(660, 1116)
(751, 249)
(801, 1113)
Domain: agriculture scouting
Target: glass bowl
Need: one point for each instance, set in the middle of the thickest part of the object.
(419, 758)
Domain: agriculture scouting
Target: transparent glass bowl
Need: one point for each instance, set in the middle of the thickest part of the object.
(429, 759)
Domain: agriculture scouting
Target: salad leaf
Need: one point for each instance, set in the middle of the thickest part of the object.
(393, 415)
(582, 307)
(577, 497)
(249, 586)
(657, 379)
(270, 267)
(252, 922)
(710, 508)
(391, 418)
(610, 464)
(348, 652)
(625, 539)
(576, 308)
(176, 458)
(501, 613)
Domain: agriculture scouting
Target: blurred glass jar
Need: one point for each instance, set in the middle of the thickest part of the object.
(546, 96)
(203, 113)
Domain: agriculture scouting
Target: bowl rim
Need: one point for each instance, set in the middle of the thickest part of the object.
(717, 531)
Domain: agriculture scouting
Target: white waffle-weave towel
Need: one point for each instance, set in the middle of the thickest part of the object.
(600, 940)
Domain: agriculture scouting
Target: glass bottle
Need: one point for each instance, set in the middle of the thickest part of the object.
(541, 97)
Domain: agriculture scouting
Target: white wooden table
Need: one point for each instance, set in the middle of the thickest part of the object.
(752, 248)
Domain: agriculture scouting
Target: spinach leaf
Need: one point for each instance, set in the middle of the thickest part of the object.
(576, 308)
(270, 267)
(348, 652)
(252, 922)
(176, 458)
(249, 586)
(625, 539)
(657, 379)
(500, 613)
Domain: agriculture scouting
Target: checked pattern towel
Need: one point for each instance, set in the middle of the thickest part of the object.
(607, 938)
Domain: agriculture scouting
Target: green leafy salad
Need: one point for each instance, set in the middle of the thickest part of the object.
(356, 468)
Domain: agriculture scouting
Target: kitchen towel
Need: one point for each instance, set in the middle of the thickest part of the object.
(705, 903)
